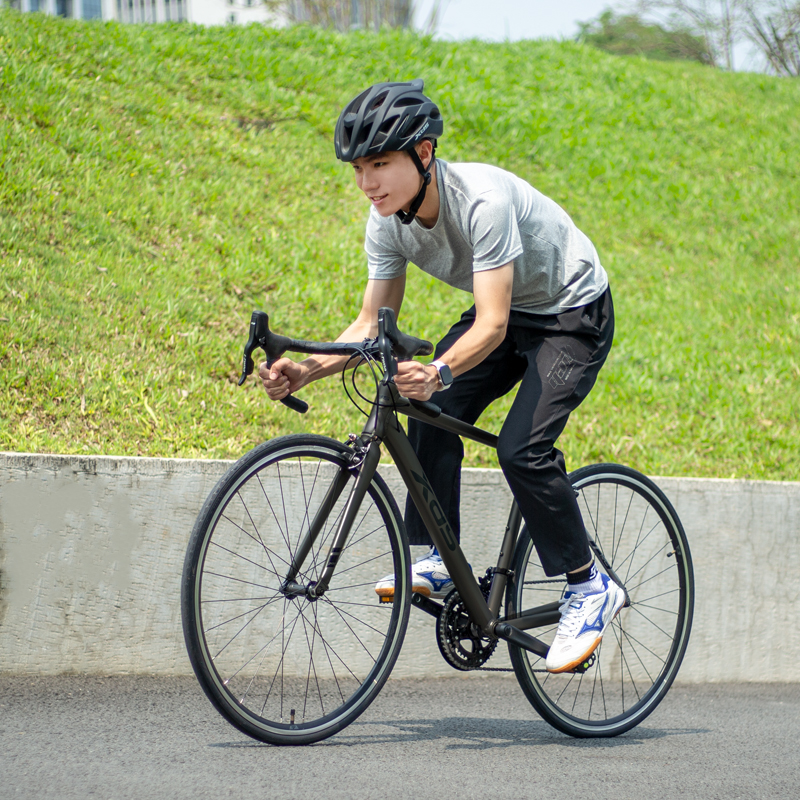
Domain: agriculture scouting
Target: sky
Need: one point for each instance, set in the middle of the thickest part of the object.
(499, 20)
(513, 19)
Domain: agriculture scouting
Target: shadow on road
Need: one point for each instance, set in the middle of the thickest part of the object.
(475, 733)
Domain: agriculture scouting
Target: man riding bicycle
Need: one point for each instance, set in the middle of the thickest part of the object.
(542, 318)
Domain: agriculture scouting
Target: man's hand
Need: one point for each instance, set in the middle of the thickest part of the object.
(283, 378)
(416, 381)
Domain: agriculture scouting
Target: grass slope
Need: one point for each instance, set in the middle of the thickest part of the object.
(159, 182)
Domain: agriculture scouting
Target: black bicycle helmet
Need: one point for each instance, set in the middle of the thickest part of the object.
(390, 116)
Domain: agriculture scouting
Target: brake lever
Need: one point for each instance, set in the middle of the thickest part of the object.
(386, 326)
(252, 342)
(260, 337)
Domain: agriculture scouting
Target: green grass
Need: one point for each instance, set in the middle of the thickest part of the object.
(159, 182)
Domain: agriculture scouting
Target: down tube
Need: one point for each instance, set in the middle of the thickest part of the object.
(430, 510)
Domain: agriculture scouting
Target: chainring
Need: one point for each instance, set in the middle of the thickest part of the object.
(460, 641)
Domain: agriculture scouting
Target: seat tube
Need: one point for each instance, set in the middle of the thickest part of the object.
(500, 578)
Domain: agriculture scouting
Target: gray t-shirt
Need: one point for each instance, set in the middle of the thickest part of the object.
(487, 218)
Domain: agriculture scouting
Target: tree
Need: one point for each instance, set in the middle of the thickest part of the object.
(629, 34)
(773, 26)
(718, 22)
(776, 32)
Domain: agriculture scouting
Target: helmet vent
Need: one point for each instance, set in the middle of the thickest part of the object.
(379, 101)
(386, 117)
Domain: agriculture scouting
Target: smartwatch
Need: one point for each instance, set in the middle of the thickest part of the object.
(445, 375)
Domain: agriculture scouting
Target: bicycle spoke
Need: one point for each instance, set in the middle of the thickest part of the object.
(231, 600)
(666, 569)
(638, 545)
(235, 635)
(353, 530)
(239, 616)
(342, 613)
(657, 627)
(244, 558)
(636, 653)
(255, 528)
(241, 580)
(622, 529)
(650, 560)
(639, 604)
(361, 564)
(311, 666)
(349, 586)
(328, 645)
(631, 638)
(631, 528)
(236, 525)
(577, 692)
(624, 657)
(284, 534)
(656, 596)
(283, 504)
(280, 667)
(330, 663)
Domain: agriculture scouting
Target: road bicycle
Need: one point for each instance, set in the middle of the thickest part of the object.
(286, 634)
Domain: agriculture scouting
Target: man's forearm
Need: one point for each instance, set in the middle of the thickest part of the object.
(474, 346)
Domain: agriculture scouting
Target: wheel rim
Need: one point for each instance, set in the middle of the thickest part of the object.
(292, 665)
(642, 648)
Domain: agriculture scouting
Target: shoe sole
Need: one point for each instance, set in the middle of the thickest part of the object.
(570, 667)
(387, 594)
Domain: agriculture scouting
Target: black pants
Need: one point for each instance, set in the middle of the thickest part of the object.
(557, 358)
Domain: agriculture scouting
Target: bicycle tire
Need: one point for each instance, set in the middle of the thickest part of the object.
(292, 671)
(637, 530)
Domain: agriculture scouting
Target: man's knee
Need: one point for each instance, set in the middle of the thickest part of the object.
(517, 457)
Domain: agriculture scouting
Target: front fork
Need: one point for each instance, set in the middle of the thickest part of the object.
(366, 458)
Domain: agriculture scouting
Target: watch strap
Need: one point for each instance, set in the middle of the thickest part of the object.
(445, 375)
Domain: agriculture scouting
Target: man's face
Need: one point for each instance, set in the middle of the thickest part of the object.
(389, 180)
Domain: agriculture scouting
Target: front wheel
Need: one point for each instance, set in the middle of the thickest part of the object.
(281, 668)
(636, 531)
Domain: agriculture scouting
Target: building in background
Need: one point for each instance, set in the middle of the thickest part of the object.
(203, 12)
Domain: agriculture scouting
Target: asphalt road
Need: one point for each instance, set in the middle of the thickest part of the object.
(464, 737)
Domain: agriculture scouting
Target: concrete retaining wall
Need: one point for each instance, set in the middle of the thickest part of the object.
(91, 553)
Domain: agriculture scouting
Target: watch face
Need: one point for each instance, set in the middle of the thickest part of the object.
(445, 374)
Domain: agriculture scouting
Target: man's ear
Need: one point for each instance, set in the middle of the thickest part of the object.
(424, 151)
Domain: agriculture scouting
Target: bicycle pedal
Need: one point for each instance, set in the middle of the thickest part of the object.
(585, 665)
(386, 599)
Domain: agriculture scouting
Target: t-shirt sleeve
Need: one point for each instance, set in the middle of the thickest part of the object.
(494, 232)
(383, 258)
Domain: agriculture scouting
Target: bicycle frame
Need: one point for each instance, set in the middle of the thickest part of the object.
(383, 428)
(285, 669)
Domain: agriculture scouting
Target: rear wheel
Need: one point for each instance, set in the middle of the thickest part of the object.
(636, 531)
(287, 669)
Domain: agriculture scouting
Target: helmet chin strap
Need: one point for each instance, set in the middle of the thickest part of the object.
(408, 218)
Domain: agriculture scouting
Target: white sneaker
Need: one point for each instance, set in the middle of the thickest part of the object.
(429, 577)
(584, 619)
